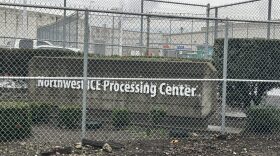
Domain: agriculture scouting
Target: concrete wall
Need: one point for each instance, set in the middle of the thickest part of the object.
(198, 106)
(13, 26)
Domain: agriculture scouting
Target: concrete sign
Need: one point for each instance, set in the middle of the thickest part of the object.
(133, 87)
(186, 99)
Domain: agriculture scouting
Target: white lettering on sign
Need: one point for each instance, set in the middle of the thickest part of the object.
(132, 87)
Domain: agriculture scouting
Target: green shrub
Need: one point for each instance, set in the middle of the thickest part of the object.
(248, 59)
(121, 118)
(263, 119)
(15, 121)
(15, 61)
(70, 117)
(157, 115)
(40, 112)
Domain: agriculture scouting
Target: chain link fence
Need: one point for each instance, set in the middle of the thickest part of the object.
(69, 74)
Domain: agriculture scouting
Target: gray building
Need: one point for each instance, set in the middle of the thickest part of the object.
(19, 23)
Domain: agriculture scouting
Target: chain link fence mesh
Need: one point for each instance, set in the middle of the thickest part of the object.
(126, 77)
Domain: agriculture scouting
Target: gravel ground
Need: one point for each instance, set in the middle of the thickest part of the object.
(196, 145)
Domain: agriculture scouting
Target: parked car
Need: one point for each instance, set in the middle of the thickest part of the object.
(57, 47)
(13, 84)
(35, 44)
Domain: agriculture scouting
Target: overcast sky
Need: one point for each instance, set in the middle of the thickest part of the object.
(114, 2)
(257, 10)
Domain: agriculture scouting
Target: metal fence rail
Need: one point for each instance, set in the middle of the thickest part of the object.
(126, 76)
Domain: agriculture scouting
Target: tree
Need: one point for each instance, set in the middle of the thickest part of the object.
(248, 59)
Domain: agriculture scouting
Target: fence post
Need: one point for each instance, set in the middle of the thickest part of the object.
(192, 35)
(148, 35)
(85, 68)
(141, 29)
(269, 18)
(57, 32)
(207, 29)
(216, 25)
(113, 35)
(53, 33)
(77, 29)
(224, 95)
(69, 31)
(170, 36)
(121, 36)
(247, 30)
(64, 26)
(25, 21)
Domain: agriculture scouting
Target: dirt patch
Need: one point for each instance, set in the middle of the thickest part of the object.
(205, 146)
(195, 145)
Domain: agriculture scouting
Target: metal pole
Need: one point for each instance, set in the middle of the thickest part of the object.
(48, 33)
(207, 30)
(135, 13)
(64, 26)
(273, 31)
(24, 23)
(148, 35)
(178, 3)
(269, 18)
(224, 95)
(233, 4)
(170, 32)
(77, 29)
(141, 29)
(247, 30)
(192, 36)
(121, 23)
(53, 32)
(69, 31)
(85, 78)
(57, 33)
(113, 34)
(232, 30)
(216, 25)
(121, 37)
(37, 35)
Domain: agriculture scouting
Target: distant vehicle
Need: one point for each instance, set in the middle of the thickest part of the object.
(35, 44)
